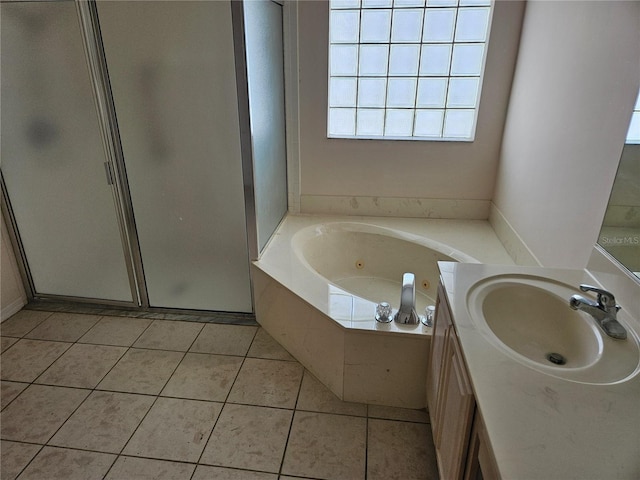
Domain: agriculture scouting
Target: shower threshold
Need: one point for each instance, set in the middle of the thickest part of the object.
(232, 318)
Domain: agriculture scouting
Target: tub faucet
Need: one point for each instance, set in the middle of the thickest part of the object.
(407, 311)
(604, 311)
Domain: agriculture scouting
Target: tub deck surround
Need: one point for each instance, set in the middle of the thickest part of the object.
(318, 281)
(540, 426)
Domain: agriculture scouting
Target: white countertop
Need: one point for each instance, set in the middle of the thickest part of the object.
(540, 426)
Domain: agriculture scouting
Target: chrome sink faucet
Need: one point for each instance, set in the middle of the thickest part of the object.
(604, 311)
(407, 312)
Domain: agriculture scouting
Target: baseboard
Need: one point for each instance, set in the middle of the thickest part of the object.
(11, 309)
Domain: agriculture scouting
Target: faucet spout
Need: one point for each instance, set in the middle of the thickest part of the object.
(407, 312)
(604, 311)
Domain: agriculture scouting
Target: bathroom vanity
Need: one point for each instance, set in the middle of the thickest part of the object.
(500, 409)
(458, 430)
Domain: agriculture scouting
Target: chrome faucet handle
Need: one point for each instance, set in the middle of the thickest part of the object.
(605, 299)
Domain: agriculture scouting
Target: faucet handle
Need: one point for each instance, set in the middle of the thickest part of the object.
(605, 298)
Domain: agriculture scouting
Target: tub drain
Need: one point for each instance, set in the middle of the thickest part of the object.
(556, 358)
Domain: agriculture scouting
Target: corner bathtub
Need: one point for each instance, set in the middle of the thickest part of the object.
(316, 286)
(365, 263)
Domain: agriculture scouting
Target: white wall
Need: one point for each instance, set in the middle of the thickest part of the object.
(12, 295)
(416, 169)
(576, 81)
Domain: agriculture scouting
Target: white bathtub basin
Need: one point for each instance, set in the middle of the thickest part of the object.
(368, 261)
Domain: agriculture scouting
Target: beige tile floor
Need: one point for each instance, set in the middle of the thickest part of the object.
(87, 397)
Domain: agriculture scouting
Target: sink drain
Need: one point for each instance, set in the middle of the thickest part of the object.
(556, 358)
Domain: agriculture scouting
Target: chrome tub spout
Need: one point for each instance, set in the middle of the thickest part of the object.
(407, 312)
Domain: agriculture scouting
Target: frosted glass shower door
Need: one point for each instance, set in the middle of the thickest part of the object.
(265, 78)
(52, 156)
(172, 72)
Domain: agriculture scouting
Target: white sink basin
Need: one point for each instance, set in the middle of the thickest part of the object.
(530, 320)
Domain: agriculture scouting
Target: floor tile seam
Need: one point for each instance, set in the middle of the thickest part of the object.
(129, 346)
(339, 414)
(398, 420)
(222, 409)
(126, 352)
(275, 360)
(106, 390)
(226, 400)
(115, 457)
(135, 430)
(272, 407)
(173, 372)
(32, 459)
(70, 347)
(216, 353)
(157, 397)
(235, 379)
(9, 336)
(80, 449)
(195, 399)
(63, 341)
(32, 382)
(98, 344)
(42, 340)
(253, 339)
(293, 416)
(14, 398)
(244, 355)
(165, 349)
(68, 416)
(35, 381)
(37, 325)
(134, 347)
(238, 469)
(24, 442)
(170, 460)
(91, 391)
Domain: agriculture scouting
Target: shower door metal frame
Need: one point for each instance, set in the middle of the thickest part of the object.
(117, 174)
(246, 145)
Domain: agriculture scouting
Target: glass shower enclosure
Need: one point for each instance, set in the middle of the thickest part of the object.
(138, 167)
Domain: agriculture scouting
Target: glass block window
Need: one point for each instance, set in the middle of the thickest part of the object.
(633, 135)
(406, 69)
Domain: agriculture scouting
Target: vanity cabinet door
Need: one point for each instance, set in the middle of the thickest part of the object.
(442, 323)
(481, 464)
(456, 407)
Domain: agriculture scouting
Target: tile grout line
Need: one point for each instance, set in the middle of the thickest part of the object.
(91, 390)
(32, 329)
(95, 388)
(46, 443)
(295, 409)
(224, 403)
(32, 382)
(158, 395)
(129, 348)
